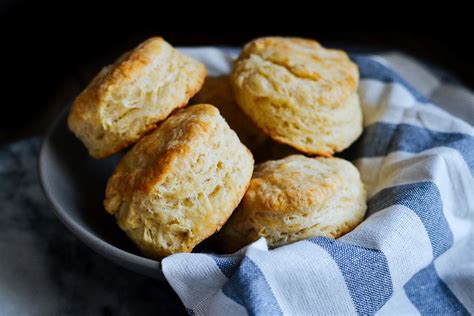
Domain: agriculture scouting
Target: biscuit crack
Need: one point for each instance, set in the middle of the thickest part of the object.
(295, 73)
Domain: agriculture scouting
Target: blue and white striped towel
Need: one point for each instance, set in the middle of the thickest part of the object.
(414, 252)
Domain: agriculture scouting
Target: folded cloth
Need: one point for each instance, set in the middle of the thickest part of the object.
(413, 253)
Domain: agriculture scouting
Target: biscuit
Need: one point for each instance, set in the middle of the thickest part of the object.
(218, 91)
(299, 93)
(297, 198)
(129, 98)
(179, 184)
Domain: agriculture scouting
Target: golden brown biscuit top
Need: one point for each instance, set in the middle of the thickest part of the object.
(132, 62)
(128, 98)
(149, 162)
(293, 184)
(112, 77)
(307, 59)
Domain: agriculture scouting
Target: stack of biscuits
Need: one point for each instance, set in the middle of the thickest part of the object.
(190, 172)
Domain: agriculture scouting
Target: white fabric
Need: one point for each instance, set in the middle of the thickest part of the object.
(414, 252)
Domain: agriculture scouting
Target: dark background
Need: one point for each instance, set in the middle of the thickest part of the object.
(49, 54)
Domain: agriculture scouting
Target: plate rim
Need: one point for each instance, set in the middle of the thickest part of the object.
(124, 258)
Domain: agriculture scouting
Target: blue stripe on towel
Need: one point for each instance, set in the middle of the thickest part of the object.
(365, 271)
(409, 138)
(371, 69)
(226, 264)
(249, 288)
(424, 199)
(431, 296)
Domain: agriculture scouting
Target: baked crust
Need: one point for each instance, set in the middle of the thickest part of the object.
(299, 93)
(180, 184)
(297, 198)
(128, 99)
